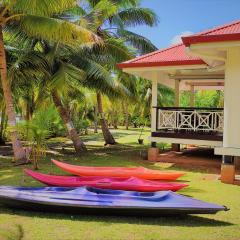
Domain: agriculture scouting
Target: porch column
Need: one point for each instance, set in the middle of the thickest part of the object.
(175, 146)
(192, 96)
(154, 104)
(153, 151)
(231, 132)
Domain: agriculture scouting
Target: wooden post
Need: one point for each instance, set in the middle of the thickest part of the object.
(228, 170)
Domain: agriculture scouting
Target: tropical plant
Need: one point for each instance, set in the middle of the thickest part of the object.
(109, 19)
(204, 98)
(36, 131)
(33, 19)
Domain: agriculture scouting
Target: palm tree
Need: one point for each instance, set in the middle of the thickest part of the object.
(72, 132)
(3, 120)
(33, 17)
(109, 139)
(109, 19)
(62, 77)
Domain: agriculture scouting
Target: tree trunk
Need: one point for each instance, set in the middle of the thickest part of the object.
(95, 120)
(126, 115)
(115, 122)
(19, 153)
(106, 133)
(72, 132)
(2, 127)
(27, 116)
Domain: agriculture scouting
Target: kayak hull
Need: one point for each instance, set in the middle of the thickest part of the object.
(101, 210)
(138, 172)
(104, 202)
(128, 184)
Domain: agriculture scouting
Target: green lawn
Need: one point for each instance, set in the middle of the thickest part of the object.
(16, 224)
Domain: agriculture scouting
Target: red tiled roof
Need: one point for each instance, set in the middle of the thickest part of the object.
(227, 32)
(175, 55)
(172, 56)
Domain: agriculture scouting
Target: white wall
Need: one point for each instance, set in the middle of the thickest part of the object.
(231, 137)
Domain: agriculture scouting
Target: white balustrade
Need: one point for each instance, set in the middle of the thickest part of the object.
(193, 120)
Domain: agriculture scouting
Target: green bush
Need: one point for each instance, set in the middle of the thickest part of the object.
(81, 125)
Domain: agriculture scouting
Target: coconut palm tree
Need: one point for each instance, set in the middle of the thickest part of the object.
(61, 78)
(109, 20)
(33, 18)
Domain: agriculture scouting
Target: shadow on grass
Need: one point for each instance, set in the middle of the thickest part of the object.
(189, 190)
(185, 220)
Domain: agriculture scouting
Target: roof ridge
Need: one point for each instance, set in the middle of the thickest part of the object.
(216, 28)
(155, 52)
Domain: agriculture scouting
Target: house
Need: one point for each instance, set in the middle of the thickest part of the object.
(207, 60)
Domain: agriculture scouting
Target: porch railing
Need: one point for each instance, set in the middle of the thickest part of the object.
(190, 119)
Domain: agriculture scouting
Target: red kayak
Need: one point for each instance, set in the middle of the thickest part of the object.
(130, 184)
(125, 172)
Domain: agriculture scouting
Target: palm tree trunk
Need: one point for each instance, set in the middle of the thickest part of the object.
(95, 120)
(72, 132)
(2, 127)
(19, 153)
(106, 133)
(27, 116)
(126, 114)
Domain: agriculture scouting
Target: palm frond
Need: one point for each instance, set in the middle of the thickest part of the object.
(56, 30)
(26, 66)
(106, 9)
(142, 44)
(109, 53)
(77, 10)
(42, 7)
(132, 17)
(67, 76)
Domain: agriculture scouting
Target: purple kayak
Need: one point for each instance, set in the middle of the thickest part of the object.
(101, 201)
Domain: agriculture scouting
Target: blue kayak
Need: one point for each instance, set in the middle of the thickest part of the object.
(101, 201)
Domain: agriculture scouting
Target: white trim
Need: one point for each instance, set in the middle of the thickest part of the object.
(193, 52)
(227, 151)
(164, 68)
(211, 45)
(204, 76)
(186, 141)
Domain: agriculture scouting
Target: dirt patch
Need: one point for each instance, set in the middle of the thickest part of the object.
(200, 159)
(163, 164)
(194, 159)
(210, 177)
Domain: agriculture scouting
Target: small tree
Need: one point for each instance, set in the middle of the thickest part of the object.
(37, 131)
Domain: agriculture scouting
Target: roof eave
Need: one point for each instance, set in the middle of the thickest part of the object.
(160, 64)
(210, 38)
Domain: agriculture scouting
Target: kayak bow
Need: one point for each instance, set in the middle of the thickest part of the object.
(139, 172)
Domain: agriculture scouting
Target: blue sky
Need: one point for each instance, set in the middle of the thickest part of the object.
(179, 16)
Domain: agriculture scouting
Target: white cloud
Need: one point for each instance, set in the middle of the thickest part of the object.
(177, 39)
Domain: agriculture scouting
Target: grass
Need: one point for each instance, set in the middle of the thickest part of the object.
(17, 224)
